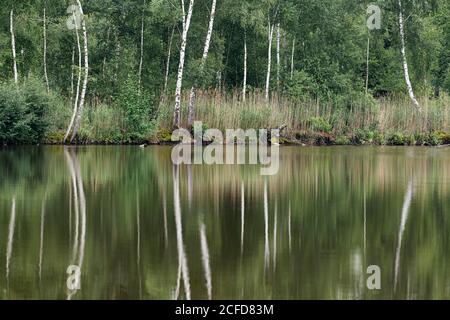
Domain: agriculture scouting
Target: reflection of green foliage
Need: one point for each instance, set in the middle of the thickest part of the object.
(326, 188)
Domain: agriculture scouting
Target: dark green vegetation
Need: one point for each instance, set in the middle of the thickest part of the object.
(321, 96)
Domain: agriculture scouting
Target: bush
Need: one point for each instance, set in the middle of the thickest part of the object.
(319, 124)
(24, 112)
(138, 112)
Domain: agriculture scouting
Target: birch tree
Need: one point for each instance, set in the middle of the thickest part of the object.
(79, 115)
(405, 61)
(169, 54)
(292, 58)
(45, 49)
(186, 24)
(13, 47)
(244, 86)
(278, 55)
(77, 95)
(141, 61)
(269, 59)
(191, 109)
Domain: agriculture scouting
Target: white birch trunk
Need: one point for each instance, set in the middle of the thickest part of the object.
(269, 61)
(13, 47)
(278, 56)
(72, 76)
(86, 77)
(244, 89)
(367, 64)
(405, 61)
(169, 54)
(292, 58)
(141, 61)
(45, 51)
(77, 95)
(186, 24)
(191, 109)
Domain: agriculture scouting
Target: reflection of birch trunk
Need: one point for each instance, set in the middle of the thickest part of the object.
(205, 259)
(182, 259)
(403, 221)
(76, 204)
(289, 228)
(266, 226)
(41, 245)
(80, 212)
(166, 236)
(138, 244)
(275, 236)
(405, 61)
(242, 216)
(11, 228)
(190, 185)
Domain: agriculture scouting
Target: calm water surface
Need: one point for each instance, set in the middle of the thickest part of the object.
(140, 228)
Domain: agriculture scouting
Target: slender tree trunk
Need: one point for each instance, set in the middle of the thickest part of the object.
(77, 95)
(13, 47)
(269, 60)
(244, 89)
(72, 76)
(104, 58)
(191, 113)
(278, 56)
(186, 24)
(367, 64)
(45, 51)
(205, 259)
(169, 54)
(9, 245)
(86, 77)
(141, 61)
(405, 61)
(292, 58)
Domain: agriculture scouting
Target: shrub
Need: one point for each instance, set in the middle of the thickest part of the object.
(319, 124)
(138, 112)
(24, 112)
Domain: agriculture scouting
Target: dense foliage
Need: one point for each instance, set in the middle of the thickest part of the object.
(322, 55)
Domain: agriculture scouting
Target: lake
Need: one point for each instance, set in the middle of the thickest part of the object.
(130, 225)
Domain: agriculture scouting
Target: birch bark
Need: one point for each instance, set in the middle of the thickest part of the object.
(45, 51)
(405, 61)
(191, 109)
(86, 77)
(13, 47)
(269, 60)
(186, 24)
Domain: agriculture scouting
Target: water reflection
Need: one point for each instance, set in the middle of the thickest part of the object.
(403, 221)
(182, 259)
(140, 228)
(9, 247)
(80, 218)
